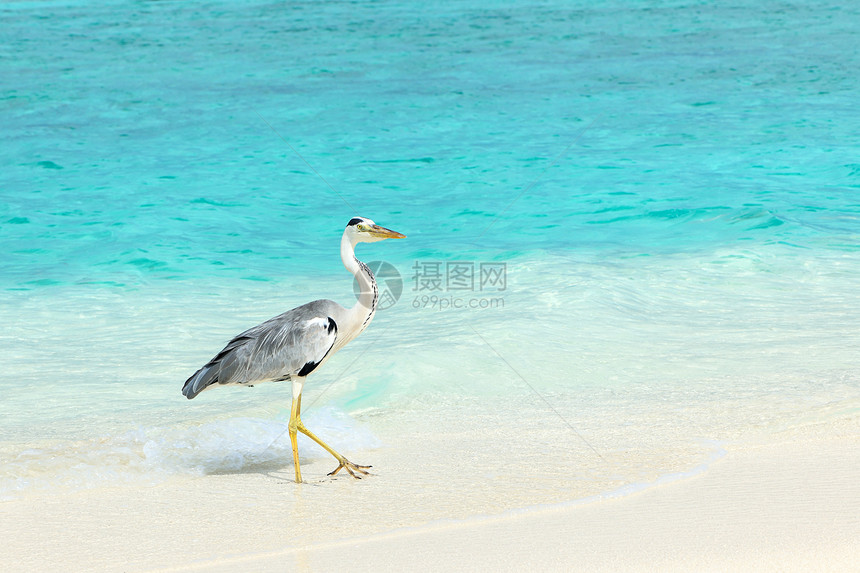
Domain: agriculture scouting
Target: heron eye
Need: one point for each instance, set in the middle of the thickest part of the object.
(361, 227)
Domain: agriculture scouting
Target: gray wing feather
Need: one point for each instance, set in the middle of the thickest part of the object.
(291, 344)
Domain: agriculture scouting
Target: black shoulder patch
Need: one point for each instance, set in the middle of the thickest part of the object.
(308, 368)
(355, 221)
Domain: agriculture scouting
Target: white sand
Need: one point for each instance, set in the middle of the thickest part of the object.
(792, 506)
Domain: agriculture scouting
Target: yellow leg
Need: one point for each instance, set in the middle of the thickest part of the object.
(292, 427)
(350, 467)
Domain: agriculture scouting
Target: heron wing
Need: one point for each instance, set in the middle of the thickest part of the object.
(291, 344)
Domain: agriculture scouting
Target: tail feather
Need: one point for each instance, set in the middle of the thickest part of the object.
(199, 381)
(225, 368)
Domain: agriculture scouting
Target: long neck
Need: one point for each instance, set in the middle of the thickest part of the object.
(362, 313)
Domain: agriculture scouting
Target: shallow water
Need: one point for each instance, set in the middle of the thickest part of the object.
(672, 190)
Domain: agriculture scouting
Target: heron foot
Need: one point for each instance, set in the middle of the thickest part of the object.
(351, 468)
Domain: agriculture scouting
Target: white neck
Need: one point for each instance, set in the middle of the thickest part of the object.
(362, 313)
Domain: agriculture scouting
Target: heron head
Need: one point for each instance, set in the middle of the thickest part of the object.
(363, 230)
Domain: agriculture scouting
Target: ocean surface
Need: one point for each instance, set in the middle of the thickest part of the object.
(633, 232)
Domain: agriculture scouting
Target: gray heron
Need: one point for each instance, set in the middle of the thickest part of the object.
(291, 345)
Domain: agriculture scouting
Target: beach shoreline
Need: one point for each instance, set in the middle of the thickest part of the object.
(787, 504)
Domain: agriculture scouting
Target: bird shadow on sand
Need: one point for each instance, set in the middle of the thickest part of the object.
(265, 468)
(282, 471)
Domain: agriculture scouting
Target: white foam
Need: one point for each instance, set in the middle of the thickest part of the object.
(147, 455)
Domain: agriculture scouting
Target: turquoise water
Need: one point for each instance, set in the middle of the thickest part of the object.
(673, 188)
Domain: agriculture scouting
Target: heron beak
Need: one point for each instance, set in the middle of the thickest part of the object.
(384, 233)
